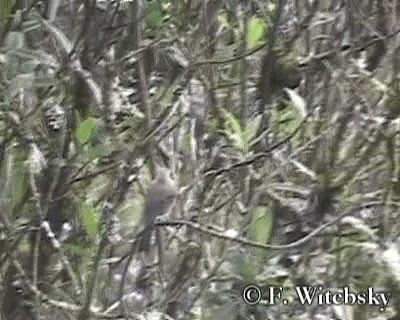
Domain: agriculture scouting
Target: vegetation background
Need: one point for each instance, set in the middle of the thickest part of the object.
(279, 122)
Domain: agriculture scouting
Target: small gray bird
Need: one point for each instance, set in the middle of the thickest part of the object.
(160, 196)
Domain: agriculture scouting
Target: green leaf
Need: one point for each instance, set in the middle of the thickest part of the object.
(90, 219)
(285, 121)
(233, 129)
(81, 249)
(6, 7)
(262, 228)
(15, 180)
(256, 31)
(233, 123)
(223, 20)
(154, 17)
(86, 129)
(252, 128)
(262, 224)
(95, 152)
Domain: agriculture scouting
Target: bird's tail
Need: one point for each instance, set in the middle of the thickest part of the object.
(144, 242)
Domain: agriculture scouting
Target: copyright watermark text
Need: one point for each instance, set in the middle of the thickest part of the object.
(252, 295)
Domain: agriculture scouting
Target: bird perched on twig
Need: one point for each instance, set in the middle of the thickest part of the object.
(160, 196)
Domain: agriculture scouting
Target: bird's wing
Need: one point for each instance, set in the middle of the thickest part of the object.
(154, 207)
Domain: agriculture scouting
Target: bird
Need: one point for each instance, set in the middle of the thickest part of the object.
(160, 195)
